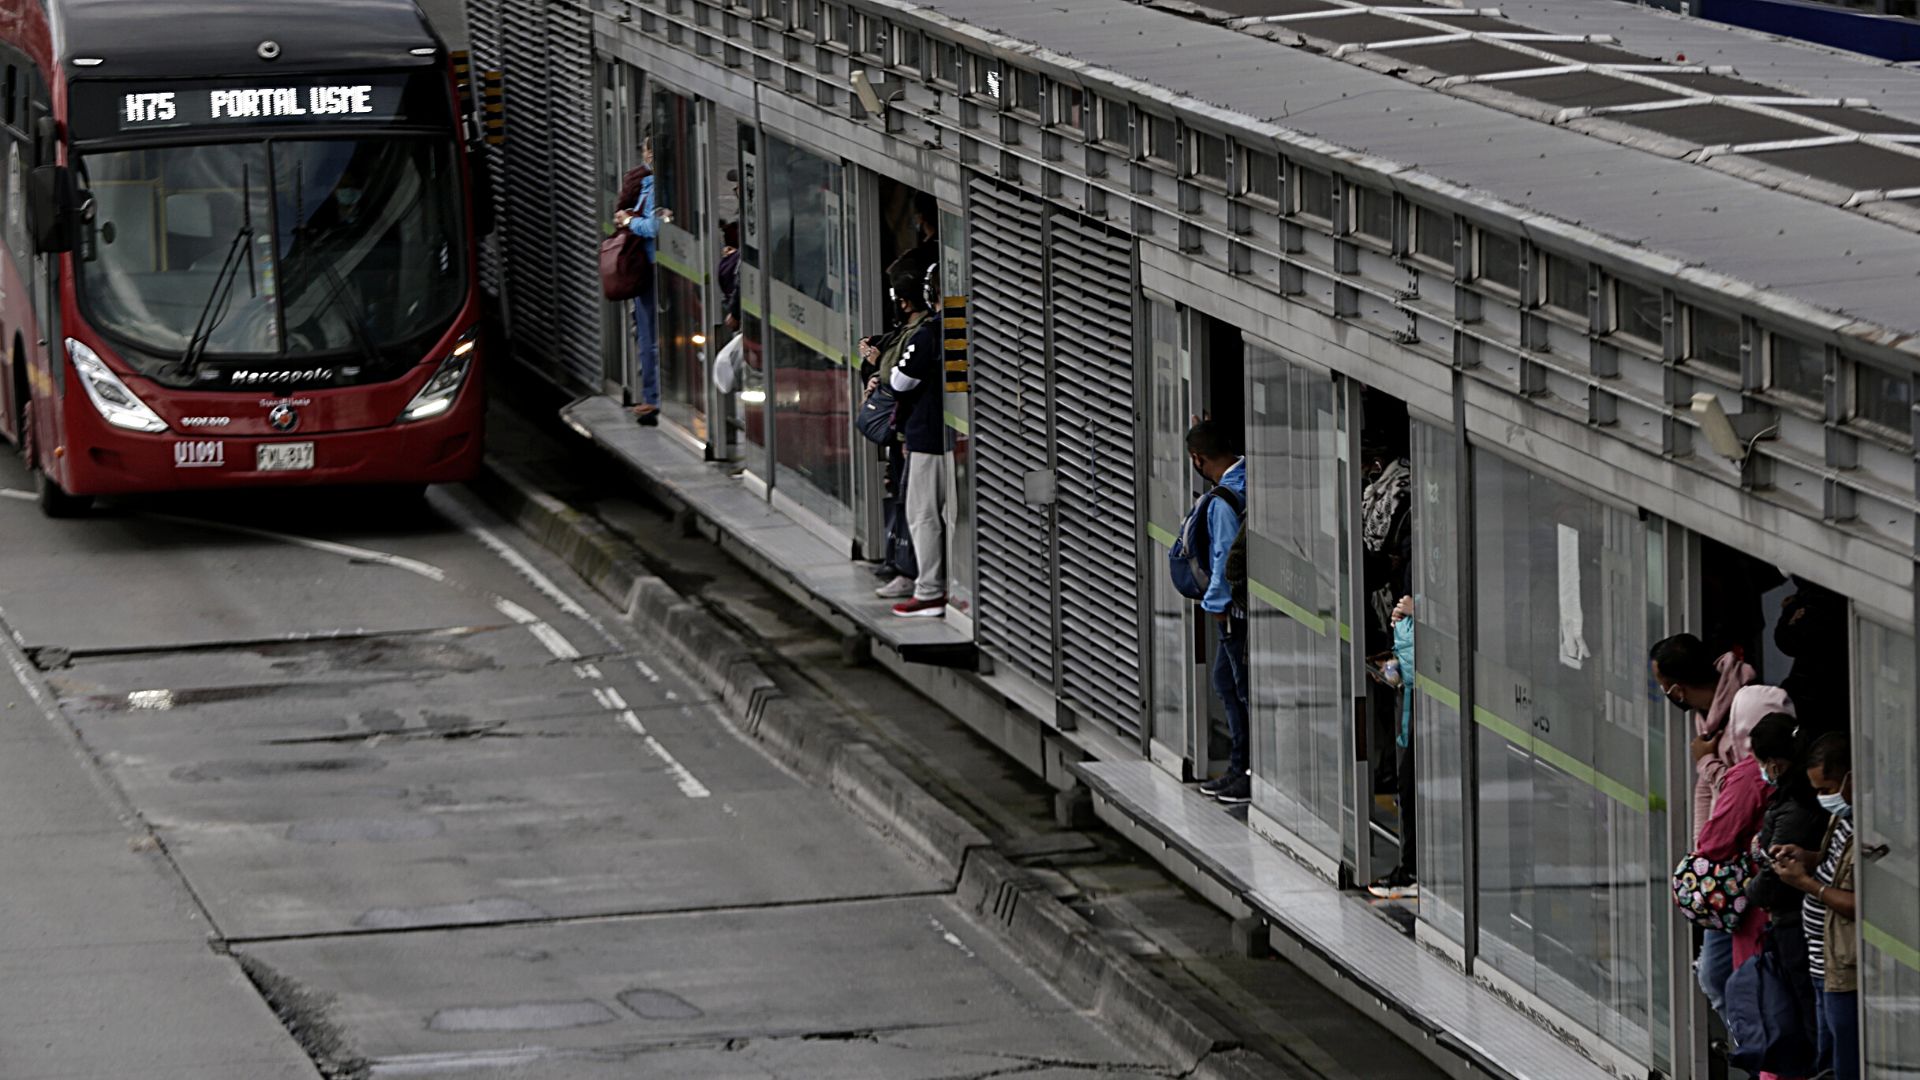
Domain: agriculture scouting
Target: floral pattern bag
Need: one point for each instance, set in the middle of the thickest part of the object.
(1713, 895)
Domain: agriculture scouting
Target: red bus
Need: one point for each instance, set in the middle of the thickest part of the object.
(238, 248)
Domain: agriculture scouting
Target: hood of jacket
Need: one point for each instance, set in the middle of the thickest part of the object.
(1752, 704)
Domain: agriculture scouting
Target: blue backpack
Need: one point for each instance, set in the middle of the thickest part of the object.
(1190, 558)
(1763, 1017)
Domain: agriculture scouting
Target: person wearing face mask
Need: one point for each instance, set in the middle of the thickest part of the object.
(1730, 830)
(1793, 817)
(1212, 455)
(1828, 912)
(1693, 680)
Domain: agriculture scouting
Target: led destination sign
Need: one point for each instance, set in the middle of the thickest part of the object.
(349, 100)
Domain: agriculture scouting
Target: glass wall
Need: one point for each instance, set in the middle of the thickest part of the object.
(1300, 708)
(1886, 784)
(1169, 494)
(1438, 749)
(1560, 707)
(680, 258)
(812, 384)
(754, 415)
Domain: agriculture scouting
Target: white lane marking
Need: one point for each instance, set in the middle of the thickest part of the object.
(159, 700)
(950, 937)
(384, 558)
(539, 580)
(587, 671)
(555, 642)
(16, 493)
(689, 785)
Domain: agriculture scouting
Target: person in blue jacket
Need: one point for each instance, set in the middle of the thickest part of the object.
(1400, 883)
(1214, 458)
(644, 221)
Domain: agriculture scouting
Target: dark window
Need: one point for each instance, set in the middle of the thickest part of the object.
(13, 95)
(1713, 340)
(947, 60)
(1026, 91)
(1209, 153)
(869, 35)
(1567, 286)
(1373, 214)
(1883, 397)
(833, 24)
(1316, 193)
(1260, 172)
(1798, 368)
(986, 77)
(1637, 311)
(1113, 122)
(1162, 137)
(1433, 235)
(807, 19)
(906, 48)
(1069, 107)
(1499, 261)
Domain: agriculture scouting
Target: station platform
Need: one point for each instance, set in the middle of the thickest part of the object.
(796, 559)
(1347, 944)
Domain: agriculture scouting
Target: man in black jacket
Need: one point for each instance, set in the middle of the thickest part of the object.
(919, 381)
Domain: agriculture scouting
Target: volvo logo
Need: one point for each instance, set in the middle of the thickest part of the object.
(283, 418)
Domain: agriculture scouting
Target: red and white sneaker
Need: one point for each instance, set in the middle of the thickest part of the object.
(922, 609)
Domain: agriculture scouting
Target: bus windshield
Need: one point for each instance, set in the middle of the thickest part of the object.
(279, 249)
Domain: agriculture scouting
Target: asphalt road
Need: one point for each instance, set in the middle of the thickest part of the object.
(390, 774)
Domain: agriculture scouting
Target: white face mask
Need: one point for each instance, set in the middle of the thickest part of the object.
(1836, 803)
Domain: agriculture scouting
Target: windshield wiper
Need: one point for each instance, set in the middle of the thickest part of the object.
(215, 309)
(353, 310)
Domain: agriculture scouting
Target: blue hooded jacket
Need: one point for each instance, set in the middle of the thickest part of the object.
(1223, 525)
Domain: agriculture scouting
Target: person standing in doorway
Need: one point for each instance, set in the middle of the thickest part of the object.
(919, 383)
(1400, 883)
(644, 221)
(1214, 458)
(1828, 911)
(1692, 680)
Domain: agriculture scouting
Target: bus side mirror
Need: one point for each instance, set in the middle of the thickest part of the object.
(50, 200)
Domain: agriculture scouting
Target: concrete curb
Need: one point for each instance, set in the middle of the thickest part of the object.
(826, 748)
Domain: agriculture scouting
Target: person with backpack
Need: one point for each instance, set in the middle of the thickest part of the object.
(1203, 561)
(638, 215)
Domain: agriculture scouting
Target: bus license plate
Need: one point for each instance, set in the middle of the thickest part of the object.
(283, 457)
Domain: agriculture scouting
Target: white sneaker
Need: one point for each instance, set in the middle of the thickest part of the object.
(897, 589)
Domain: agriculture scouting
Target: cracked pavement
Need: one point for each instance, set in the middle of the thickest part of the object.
(407, 800)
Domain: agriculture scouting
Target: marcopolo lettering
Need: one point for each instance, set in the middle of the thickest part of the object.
(244, 377)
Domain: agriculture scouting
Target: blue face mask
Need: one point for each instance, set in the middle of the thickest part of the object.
(1767, 777)
(1836, 803)
(346, 196)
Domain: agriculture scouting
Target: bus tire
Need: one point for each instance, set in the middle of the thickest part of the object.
(55, 501)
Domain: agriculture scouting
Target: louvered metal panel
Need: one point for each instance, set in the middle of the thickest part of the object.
(527, 227)
(572, 178)
(1090, 309)
(1012, 428)
(483, 23)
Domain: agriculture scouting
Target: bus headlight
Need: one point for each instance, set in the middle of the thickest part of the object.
(437, 396)
(116, 404)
